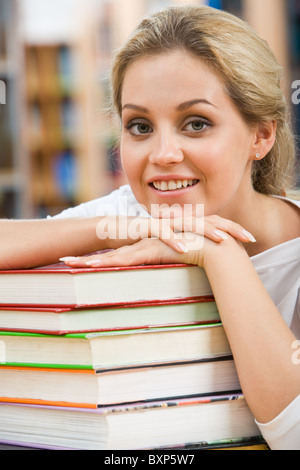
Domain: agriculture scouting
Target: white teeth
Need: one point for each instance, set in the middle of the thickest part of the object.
(172, 185)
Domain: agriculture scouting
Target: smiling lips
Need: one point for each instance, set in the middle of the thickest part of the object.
(173, 185)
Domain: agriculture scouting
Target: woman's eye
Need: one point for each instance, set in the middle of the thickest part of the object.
(143, 128)
(197, 125)
(139, 128)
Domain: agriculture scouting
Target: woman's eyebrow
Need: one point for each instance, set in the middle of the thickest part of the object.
(180, 107)
(135, 107)
(190, 103)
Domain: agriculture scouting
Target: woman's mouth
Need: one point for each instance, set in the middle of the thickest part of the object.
(173, 185)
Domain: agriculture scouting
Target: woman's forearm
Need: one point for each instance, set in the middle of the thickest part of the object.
(260, 340)
(30, 243)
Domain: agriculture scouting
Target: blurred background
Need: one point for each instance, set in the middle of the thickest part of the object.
(58, 140)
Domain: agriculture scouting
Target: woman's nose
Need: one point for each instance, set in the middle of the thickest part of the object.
(166, 152)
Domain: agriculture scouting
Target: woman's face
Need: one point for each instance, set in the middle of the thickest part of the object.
(183, 140)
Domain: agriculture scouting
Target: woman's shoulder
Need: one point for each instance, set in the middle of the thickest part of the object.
(290, 247)
(278, 268)
(292, 198)
(287, 215)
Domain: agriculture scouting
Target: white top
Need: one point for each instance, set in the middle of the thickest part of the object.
(278, 269)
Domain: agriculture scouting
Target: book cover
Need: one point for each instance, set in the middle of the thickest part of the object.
(149, 425)
(58, 285)
(92, 389)
(112, 349)
(61, 321)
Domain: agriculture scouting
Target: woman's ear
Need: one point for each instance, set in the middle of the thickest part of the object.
(265, 136)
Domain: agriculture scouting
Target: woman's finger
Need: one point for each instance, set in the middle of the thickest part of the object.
(163, 229)
(232, 228)
(214, 227)
(148, 251)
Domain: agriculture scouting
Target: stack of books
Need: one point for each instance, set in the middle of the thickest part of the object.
(121, 358)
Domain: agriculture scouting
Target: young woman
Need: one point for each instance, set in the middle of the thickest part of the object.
(204, 124)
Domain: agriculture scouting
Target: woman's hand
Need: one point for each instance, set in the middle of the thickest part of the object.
(148, 251)
(212, 227)
(183, 236)
(169, 245)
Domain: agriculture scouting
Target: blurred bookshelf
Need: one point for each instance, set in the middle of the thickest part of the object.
(73, 151)
(13, 162)
(63, 150)
(52, 136)
(69, 137)
(58, 140)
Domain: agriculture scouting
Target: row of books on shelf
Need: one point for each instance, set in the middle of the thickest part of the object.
(50, 71)
(121, 358)
(55, 125)
(54, 178)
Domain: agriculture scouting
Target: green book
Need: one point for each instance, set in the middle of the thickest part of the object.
(112, 349)
(62, 321)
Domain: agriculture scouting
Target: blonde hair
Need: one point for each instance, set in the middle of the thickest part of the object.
(248, 67)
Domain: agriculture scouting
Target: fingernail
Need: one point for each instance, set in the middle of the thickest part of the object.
(68, 259)
(249, 236)
(182, 247)
(221, 234)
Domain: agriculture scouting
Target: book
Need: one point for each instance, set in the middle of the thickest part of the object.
(66, 64)
(137, 426)
(58, 285)
(4, 446)
(117, 348)
(246, 447)
(66, 320)
(253, 443)
(92, 389)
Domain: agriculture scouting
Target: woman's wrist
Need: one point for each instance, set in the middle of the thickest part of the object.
(222, 253)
